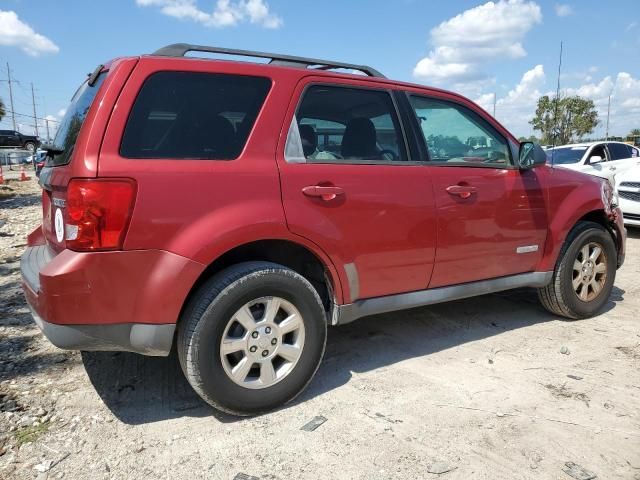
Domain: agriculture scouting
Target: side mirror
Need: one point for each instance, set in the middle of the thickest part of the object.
(595, 159)
(531, 155)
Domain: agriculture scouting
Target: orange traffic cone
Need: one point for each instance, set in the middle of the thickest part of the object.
(23, 175)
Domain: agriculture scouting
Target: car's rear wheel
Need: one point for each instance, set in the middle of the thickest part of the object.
(252, 337)
(584, 274)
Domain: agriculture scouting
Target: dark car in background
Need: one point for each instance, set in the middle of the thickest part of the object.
(13, 138)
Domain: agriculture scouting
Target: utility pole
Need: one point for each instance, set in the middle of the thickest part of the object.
(13, 110)
(494, 104)
(606, 135)
(35, 117)
(46, 122)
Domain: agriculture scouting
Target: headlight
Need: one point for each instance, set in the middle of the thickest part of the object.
(609, 196)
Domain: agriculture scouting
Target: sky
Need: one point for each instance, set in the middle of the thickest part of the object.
(506, 48)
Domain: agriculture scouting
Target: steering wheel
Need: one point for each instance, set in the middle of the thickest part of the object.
(394, 155)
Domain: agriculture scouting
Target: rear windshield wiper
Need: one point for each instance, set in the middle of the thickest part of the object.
(93, 77)
(51, 149)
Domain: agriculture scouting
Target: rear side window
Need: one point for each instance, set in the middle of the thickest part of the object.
(187, 115)
(346, 125)
(619, 151)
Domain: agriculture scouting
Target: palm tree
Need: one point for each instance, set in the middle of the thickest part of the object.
(635, 132)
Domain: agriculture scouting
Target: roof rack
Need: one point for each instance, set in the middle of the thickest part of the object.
(180, 49)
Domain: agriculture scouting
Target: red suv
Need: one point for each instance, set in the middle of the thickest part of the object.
(238, 209)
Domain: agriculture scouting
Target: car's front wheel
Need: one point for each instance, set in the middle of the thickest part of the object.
(584, 274)
(252, 337)
(30, 146)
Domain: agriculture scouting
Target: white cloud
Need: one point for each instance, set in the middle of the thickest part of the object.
(61, 112)
(16, 33)
(227, 13)
(465, 43)
(517, 107)
(563, 10)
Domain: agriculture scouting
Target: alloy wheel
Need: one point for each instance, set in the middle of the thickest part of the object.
(589, 271)
(262, 342)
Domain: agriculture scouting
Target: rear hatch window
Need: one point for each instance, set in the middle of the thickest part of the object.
(62, 146)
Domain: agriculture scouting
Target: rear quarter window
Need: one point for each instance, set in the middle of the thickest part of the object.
(193, 115)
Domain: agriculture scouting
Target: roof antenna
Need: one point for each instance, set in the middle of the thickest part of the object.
(555, 114)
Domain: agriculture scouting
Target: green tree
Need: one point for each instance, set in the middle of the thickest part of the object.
(2, 110)
(573, 118)
(530, 138)
(635, 132)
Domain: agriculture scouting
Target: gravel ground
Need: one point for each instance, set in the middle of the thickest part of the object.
(485, 388)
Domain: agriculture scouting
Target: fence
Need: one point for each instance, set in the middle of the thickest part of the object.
(13, 159)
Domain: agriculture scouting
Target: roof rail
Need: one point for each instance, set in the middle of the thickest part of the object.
(180, 49)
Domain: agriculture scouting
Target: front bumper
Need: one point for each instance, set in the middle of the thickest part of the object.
(112, 301)
(617, 224)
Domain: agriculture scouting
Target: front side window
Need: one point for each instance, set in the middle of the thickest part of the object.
(193, 115)
(345, 125)
(456, 135)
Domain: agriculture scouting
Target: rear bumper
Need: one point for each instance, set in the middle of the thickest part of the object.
(152, 340)
(120, 301)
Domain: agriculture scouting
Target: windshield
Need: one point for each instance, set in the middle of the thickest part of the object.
(72, 121)
(564, 155)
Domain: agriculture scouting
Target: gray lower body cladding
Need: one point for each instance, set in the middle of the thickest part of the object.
(372, 306)
(152, 340)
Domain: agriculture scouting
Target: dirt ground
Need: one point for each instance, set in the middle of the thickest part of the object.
(486, 388)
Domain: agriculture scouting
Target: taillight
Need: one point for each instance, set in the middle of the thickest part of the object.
(98, 213)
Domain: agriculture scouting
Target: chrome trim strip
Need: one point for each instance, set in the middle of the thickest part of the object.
(527, 249)
(372, 306)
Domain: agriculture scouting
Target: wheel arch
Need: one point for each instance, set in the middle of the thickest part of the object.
(559, 232)
(303, 259)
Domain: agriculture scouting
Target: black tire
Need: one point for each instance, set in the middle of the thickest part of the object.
(30, 146)
(559, 297)
(204, 320)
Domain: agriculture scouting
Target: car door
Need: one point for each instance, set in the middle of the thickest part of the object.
(350, 185)
(597, 162)
(622, 157)
(491, 216)
(14, 140)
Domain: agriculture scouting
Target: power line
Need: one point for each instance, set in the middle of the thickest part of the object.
(32, 116)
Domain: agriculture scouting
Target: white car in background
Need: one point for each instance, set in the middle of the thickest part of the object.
(601, 159)
(628, 188)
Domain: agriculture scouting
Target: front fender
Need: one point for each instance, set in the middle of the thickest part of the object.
(566, 206)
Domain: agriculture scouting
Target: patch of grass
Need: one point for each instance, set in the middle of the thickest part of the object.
(31, 434)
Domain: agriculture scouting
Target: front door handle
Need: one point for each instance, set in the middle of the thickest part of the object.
(462, 191)
(325, 193)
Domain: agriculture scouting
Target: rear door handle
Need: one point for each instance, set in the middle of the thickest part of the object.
(325, 193)
(462, 191)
